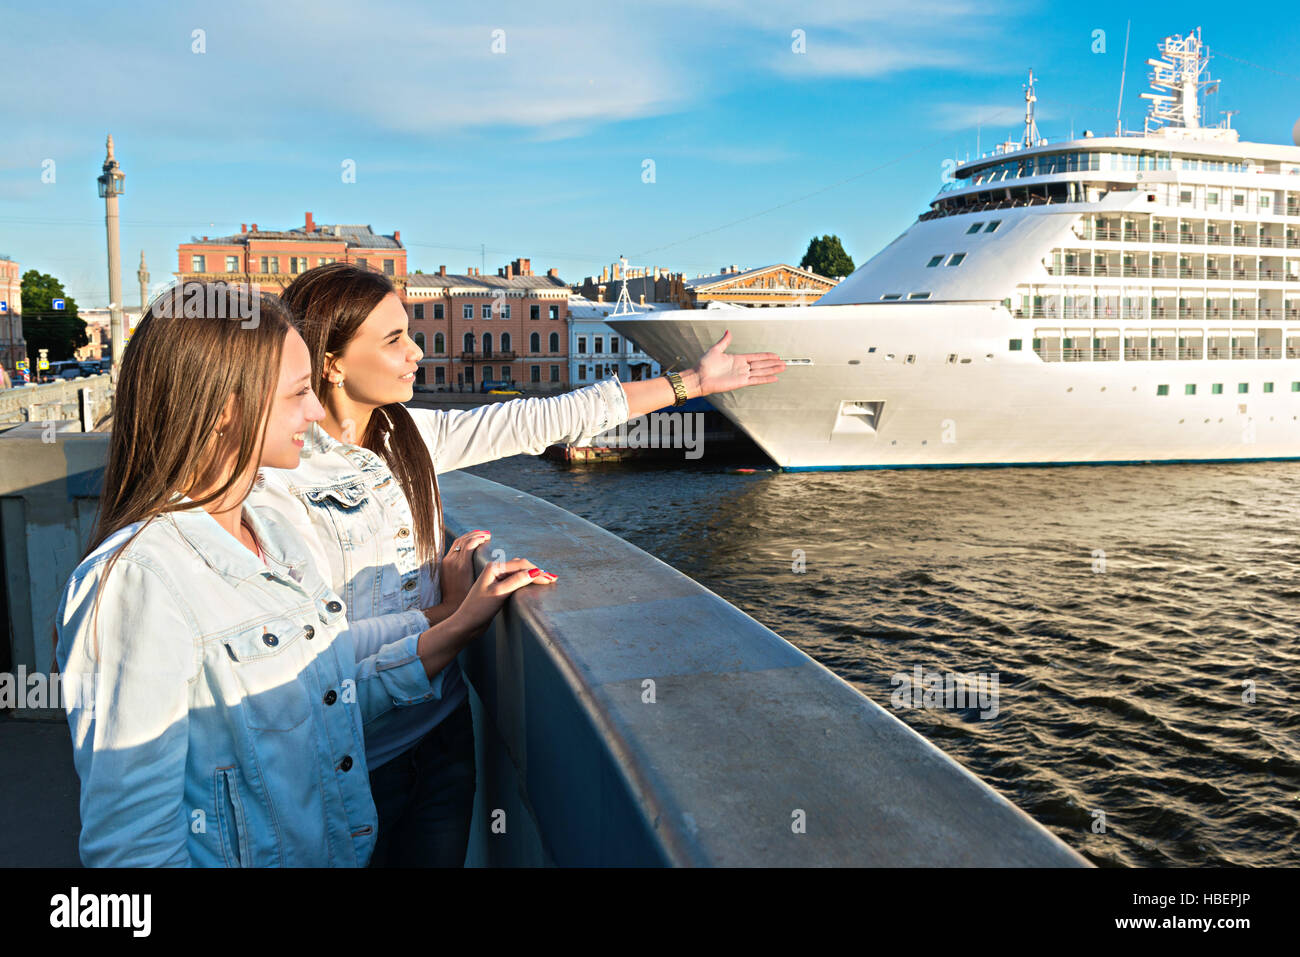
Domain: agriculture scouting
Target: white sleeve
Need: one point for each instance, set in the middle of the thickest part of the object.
(459, 438)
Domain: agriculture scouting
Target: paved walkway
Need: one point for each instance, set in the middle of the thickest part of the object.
(39, 821)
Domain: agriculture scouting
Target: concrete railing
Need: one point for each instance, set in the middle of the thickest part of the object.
(625, 715)
(89, 398)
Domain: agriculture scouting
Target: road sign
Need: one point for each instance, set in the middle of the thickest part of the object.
(23, 364)
(4, 306)
(42, 364)
(57, 304)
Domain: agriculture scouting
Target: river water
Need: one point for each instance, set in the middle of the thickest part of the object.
(1140, 621)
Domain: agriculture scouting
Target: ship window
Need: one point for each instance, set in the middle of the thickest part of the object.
(1212, 198)
(1217, 388)
(975, 228)
(952, 357)
(1162, 390)
(1189, 389)
(934, 261)
(1014, 345)
(871, 349)
(1295, 386)
(992, 227)
(911, 358)
(1268, 387)
(892, 295)
(956, 258)
(1185, 196)
(918, 295)
(1238, 200)
(1243, 387)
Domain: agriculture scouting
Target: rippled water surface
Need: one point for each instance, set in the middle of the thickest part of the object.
(1128, 612)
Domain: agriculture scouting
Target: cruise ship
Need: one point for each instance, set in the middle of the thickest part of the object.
(1103, 299)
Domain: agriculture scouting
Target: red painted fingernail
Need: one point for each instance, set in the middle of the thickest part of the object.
(534, 572)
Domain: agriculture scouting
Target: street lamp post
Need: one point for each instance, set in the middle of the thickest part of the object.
(112, 183)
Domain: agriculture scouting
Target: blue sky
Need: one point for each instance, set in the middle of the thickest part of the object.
(538, 151)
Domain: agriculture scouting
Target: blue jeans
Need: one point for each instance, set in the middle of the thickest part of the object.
(425, 797)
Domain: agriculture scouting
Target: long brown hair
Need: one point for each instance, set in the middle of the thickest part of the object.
(192, 350)
(329, 304)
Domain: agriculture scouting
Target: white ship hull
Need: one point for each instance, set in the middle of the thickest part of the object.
(850, 407)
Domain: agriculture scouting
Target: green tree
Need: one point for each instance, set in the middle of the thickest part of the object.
(61, 332)
(827, 257)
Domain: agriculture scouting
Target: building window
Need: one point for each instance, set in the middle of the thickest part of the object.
(505, 374)
(467, 312)
(555, 373)
(555, 343)
(469, 375)
(196, 264)
(275, 265)
(505, 342)
(582, 374)
(419, 340)
(600, 345)
(553, 312)
(486, 312)
(487, 343)
(361, 261)
(388, 267)
(438, 343)
(582, 345)
(419, 310)
(534, 311)
(439, 375)
(232, 264)
(535, 373)
(437, 310)
(613, 344)
(325, 260)
(298, 264)
(469, 342)
(934, 261)
(956, 258)
(506, 314)
(534, 343)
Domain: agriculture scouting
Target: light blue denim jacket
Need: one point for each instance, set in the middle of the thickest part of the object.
(350, 509)
(217, 712)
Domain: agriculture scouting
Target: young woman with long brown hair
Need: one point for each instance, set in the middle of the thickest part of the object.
(219, 701)
(366, 495)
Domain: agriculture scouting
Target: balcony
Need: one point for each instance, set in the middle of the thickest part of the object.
(488, 356)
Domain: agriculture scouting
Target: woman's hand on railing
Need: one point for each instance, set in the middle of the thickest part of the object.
(439, 645)
(458, 567)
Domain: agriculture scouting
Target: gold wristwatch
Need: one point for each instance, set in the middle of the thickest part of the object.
(679, 390)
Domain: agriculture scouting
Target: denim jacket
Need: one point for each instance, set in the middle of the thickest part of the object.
(217, 711)
(350, 509)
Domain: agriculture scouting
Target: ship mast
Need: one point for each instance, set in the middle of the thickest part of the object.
(1178, 78)
(1031, 128)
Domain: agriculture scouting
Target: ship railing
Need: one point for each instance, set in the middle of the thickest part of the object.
(1293, 315)
(1244, 313)
(1245, 274)
(1293, 351)
(1193, 315)
(1189, 352)
(1137, 271)
(1243, 352)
